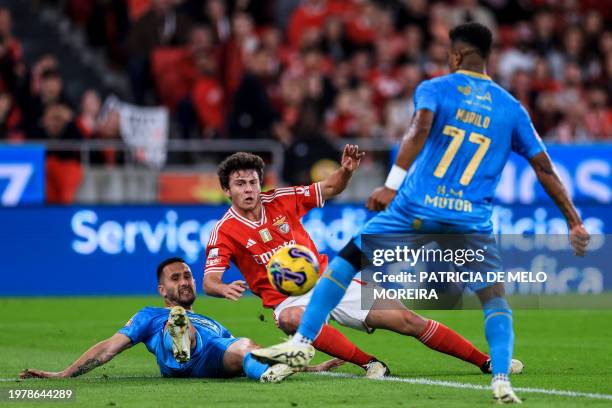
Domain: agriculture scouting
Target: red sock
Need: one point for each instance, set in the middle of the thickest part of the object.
(331, 341)
(438, 337)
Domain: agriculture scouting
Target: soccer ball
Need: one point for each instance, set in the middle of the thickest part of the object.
(293, 270)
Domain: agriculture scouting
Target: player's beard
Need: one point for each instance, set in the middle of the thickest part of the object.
(183, 297)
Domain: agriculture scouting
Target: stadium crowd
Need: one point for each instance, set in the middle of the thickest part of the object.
(295, 70)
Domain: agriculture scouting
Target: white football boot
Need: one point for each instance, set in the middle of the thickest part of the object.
(276, 373)
(376, 369)
(503, 392)
(295, 355)
(178, 327)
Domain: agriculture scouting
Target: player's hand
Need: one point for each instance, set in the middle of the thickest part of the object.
(351, 157)
(328, 365)
(579, 239)
(234, 290)
(380, 198)
(32, 373)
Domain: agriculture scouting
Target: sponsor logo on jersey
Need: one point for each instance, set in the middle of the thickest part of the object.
(211, 262)
(213, 253)
(466, 90)
(250, 243)
(485, 97)
(262, 259)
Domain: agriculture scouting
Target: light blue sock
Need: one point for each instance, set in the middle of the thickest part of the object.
(499, 334)
(253, 368)
(327, 294)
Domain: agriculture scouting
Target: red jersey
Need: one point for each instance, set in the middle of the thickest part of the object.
(250, 244)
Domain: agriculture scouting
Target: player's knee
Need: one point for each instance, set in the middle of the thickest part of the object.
(289, 319)
(242, 347)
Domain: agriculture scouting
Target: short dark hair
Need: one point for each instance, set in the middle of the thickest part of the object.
(474, 34)
(239, 161)
(166, 262)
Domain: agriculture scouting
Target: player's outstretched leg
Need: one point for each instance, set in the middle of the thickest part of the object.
(334, 343)
(238, 359)
(500, 336)
(329, 291)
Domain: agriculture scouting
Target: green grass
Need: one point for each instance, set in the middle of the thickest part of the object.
(563, 350)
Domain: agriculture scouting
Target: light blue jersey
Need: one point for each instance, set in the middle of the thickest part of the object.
(147, 326)
(476, 126)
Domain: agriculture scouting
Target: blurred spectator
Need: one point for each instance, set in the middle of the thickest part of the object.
(311, 154)
(572, 128)
(465, 11)
(598, 119)
(413, 13)
(107, 26)
(310, 14)
(208, 97)
(399, 111)
(334, 42)
(253, 114)
(62, 168)
(436, 63)
(238, 49)
(50, 92)
(161, 25)
(92, 126)
(544, 31)
(571, 91)
(10, 54)
(520, 88)
(216, 16)
(521, 56)
(572, 51)
(10, 118)
(413, 45)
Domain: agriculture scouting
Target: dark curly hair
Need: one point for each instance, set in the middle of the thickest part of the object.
(239, 161)
(474, 34)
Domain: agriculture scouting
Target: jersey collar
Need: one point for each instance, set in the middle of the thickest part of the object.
(473, 74)
(246, 221)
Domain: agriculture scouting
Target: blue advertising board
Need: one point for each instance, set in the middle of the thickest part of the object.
(22, 175)
(115, 250)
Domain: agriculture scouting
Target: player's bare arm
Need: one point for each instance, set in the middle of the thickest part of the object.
(214, 286)
(339, 179)
(412, 143)
(99, 354)
(548, 177)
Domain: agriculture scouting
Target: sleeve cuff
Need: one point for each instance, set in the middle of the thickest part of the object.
(319, 195)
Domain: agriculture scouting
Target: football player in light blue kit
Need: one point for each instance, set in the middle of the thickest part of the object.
(463, 131)
(186, 344)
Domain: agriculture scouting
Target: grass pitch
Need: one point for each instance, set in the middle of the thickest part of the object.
(562, 350)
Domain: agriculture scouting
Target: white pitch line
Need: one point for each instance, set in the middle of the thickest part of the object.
(420, 381)
(452, 384)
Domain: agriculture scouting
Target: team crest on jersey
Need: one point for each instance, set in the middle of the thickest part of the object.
(281, 224)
